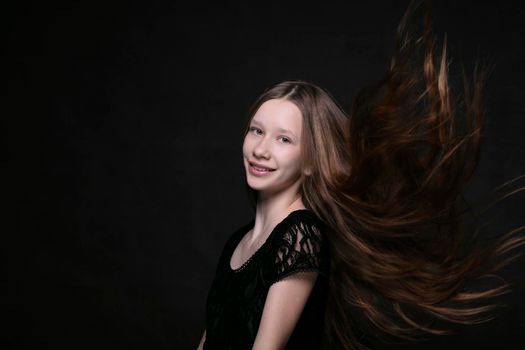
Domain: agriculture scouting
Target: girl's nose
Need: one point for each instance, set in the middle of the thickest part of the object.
(261, 150)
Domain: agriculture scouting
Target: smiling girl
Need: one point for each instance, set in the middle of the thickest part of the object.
(356, 230)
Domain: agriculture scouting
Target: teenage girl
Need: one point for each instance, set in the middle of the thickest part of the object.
(357, 216)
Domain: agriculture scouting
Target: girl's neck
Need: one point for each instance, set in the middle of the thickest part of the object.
(272, 210)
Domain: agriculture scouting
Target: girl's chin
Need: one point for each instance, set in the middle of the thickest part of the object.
(258, 187)
(265, 190)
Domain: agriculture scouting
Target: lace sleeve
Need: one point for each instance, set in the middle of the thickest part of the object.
(300, 249)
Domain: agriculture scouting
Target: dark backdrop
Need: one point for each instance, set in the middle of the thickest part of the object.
(121, 137)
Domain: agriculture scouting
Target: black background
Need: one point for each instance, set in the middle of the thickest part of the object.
(122, 133)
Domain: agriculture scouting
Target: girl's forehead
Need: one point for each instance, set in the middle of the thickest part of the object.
(279, 114)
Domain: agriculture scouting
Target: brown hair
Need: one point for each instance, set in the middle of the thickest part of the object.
(388, 180)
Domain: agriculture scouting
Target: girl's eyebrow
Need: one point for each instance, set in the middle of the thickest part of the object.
(287, 131)
(254, 121)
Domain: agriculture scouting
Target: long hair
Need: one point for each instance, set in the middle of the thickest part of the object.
(387, 178)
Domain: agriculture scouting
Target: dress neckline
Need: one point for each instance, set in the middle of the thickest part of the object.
(260, 248)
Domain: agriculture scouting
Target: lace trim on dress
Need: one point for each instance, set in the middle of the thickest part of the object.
(300, 250)
(244, 264)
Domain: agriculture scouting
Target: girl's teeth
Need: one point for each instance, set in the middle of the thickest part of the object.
(260, 169)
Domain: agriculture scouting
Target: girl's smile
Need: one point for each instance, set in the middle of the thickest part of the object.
(259, 170)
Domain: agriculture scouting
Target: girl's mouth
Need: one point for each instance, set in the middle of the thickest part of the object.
(258, 170)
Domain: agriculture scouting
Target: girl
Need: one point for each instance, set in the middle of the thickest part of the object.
(357, 217)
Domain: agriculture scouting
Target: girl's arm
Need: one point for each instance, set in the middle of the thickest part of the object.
(201, 344)
(284, 303)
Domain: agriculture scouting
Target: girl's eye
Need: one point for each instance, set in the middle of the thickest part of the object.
(255, 130)
(285, 139)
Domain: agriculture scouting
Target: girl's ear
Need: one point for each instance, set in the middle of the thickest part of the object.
(307, 171)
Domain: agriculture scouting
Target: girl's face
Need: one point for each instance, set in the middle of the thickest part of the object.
(272, 147)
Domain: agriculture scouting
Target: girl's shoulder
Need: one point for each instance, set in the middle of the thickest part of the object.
(305, 221)
(299, 244)
(301, 228)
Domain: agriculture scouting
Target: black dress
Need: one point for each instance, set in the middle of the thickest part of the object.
(236, 298)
